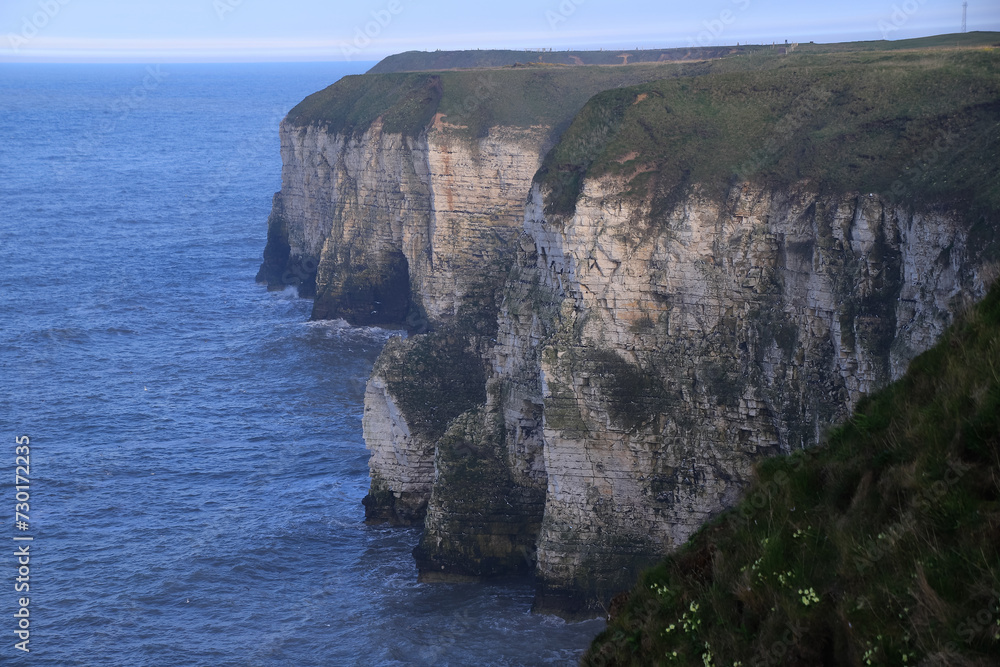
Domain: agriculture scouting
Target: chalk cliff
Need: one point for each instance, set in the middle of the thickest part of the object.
(604, 346)
(402, 231)
(676, 351)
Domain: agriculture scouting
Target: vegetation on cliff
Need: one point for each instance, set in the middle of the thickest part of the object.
(917, 125)
(435, 378)
(481, 89)
(881, 547)
(417, 61)
(476, 100)
(423, 61)
(480, 521)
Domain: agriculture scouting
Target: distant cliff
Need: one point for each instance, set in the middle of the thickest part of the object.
(421, 61)
(698, 49)
(616, 316)
(399, 190)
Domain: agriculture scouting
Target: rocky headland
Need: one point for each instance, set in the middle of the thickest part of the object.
(626, 285)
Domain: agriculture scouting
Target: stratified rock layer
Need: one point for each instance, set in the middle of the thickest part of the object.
(392, 228)
(687, 346)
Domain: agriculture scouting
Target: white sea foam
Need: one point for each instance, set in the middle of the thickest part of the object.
(343, 330)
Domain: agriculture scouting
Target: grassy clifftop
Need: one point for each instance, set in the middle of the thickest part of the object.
(911, 118)
(421, 61)
(424, 61)
(881, 547)
(921, 125)
(476, 99)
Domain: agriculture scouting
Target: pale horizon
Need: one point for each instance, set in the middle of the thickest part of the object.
(67, 31)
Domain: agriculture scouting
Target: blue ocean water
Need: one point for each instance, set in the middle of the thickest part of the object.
(197, 466)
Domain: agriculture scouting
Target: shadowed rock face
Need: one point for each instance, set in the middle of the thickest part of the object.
(281, 267)
(480, 521)
(592, 387)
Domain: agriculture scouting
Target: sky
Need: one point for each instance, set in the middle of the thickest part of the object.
(366, 30)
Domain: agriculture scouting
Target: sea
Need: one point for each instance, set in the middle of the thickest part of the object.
(193, 447)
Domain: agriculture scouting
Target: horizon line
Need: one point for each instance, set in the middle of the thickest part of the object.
(327, 53)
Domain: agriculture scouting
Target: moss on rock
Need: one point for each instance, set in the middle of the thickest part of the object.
(480, 522)
(434, 378)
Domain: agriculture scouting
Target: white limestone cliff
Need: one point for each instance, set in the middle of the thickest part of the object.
(680, 349)
(638, 364)
(362, 214)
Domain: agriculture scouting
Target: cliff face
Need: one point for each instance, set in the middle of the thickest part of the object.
(606, 345)
(642, 364)
(405, 230)
(907, 484)
(391, 228)
(685, 347)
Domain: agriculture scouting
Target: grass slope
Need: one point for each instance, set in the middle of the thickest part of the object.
(881, 547)
(909, 119)
(915, 125)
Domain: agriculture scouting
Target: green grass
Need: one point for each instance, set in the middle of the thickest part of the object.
(949, 41)
(856, 117)
(405, 102)
(423, 61)
(476, 99)
(852, 122)
(427, 61)
(880, 547)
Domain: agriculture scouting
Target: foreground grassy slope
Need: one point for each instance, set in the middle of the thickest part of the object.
(881, 547)
(917, 125)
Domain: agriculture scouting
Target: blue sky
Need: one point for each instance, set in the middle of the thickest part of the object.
(323, 30)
